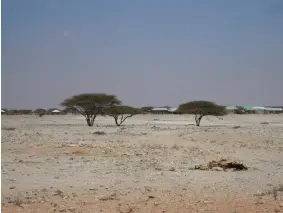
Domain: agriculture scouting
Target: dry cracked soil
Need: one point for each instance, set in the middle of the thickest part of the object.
(58, 164)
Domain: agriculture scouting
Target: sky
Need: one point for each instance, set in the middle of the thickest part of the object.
(148, 53)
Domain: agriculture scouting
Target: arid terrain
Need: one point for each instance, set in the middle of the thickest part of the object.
(59, 164)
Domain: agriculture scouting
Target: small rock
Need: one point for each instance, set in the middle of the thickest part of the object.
(257, 202)
(72, 209)
(56, 177)
(11, 187)
(108, 197)
(62, 209)
(172, 169)
(151, 196)
(104, 198)
(219, 169)
(124, 209)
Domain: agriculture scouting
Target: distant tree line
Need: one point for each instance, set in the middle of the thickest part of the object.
(38, 111)
(90, 105)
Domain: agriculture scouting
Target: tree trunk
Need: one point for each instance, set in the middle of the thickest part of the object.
(90, 120)
(116, 121)
(122, 119)
(198, 119)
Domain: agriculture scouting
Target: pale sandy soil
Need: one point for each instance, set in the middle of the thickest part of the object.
(58, 164)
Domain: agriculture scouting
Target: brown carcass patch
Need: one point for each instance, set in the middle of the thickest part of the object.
(222, 165)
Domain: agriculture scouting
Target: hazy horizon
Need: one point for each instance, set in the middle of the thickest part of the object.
(148, 53)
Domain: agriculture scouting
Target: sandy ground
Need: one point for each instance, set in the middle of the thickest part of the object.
(58, 164)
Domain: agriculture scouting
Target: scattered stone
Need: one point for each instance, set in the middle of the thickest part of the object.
(72, 209)
(58, 193)
(56, 177)
(124, 208)
(172, 169)
(151, 196)
(108, 197)
(11, 187)
(62, 209)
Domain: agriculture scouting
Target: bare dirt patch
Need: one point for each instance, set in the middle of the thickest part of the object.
(57, 164)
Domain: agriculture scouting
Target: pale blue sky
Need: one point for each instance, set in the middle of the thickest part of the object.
(147, 52)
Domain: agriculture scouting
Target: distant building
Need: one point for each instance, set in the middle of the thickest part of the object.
(231, 109)
(273, 110)
(163, 110)
(55, 111)
(159, 110)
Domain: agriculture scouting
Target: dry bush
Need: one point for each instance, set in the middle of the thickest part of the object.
(99, 133)
(16, 201)
(276, 190)
(9, 128)
(264, 123)
(236, 127)
(78, 152)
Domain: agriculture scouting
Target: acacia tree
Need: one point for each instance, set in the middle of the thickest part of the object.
(123, 111)
(91, 104)
(200, 109)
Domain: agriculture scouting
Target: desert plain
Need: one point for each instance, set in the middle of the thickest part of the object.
(59, 164)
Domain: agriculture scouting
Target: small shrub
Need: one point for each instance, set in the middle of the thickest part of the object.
(175, 146)
(78, 152)
(276, 190)
(9, 128)
(264, 123)
(236, 127)
(58, 193)
(99, 133)
(17, 201)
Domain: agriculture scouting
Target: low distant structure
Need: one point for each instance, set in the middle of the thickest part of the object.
(163, 110)
(273, 110)
(253, 110)
(55, 111)
(231, 109)
(3, 111)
